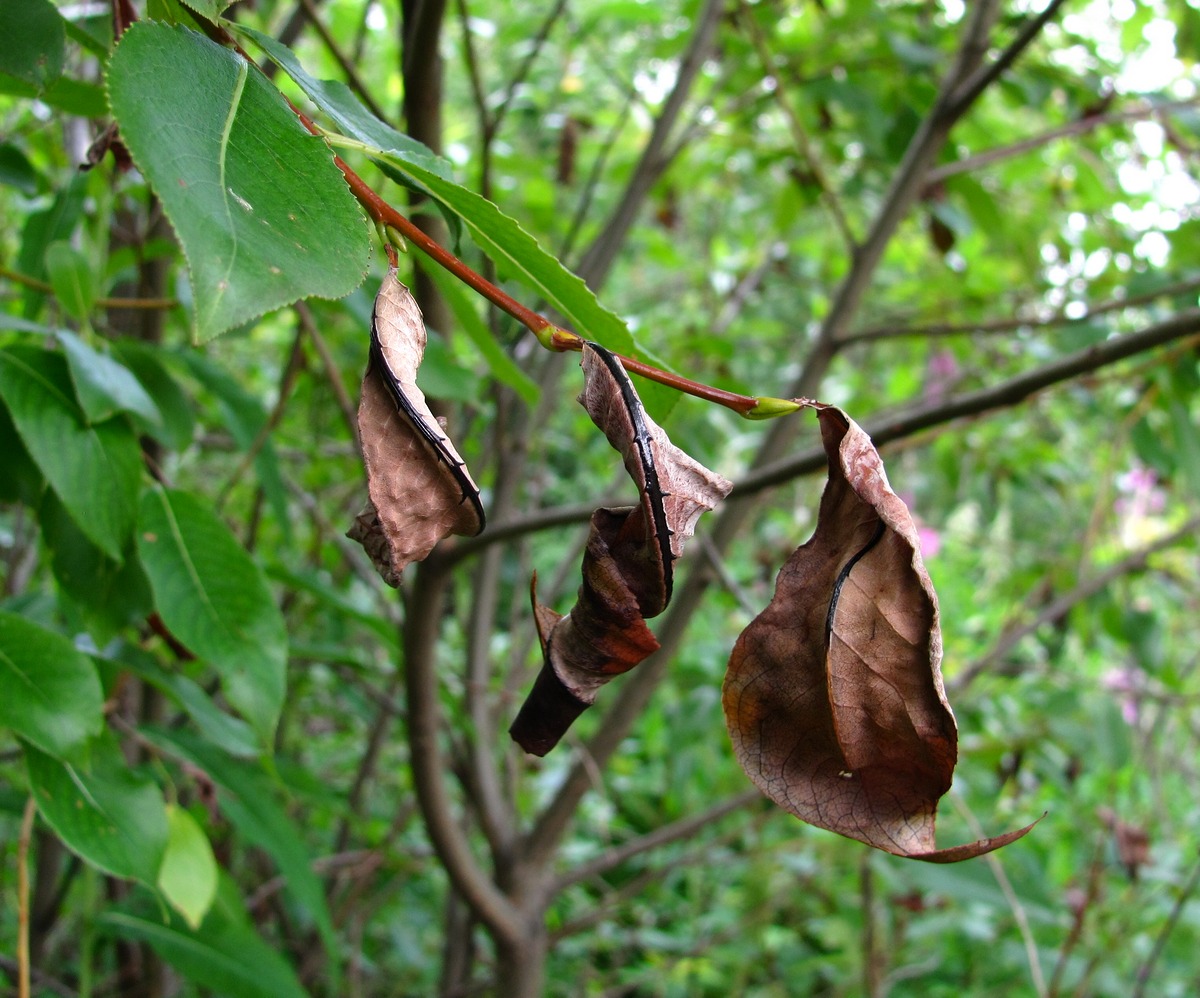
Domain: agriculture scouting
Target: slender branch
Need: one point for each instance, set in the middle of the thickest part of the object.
(1008, 325)
(334, 376)
(984, 76)
(595, 263)
(1078, 127)
(1057, 609)
(1005, 394)
(666, 834)
(428, 764)
(347, 65)
(1146, 970)
(799, 136)
(39, 285)
(1014, 902)
(26, 836)
(287, 382)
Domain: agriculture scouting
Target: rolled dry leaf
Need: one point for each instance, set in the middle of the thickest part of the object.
(628, 565)
(420, 489)
(834, 696)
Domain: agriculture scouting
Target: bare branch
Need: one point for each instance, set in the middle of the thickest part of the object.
(428, 764)
(1058, 318)
(1058, 608)
(666, 834)
(1006, 393)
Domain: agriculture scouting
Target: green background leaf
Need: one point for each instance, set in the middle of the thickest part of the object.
(34, 37)
(214, 599)
(188, 875)
(264, 216)
(49, 692)
(95, 469)
(102, 810)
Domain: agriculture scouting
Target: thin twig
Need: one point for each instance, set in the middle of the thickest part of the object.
(799, 136)
(38, 285)
(420, 634)
(1010, 895)
(287, 382)
(1146, 970)
(1008, 325)
(23, 898)
(1057, 609)
(346, 65)
(683, 828)
(334, 376)
(1079, 127)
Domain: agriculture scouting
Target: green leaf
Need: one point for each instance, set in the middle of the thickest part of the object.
(208, 8)
(49, 693)
(225, 955)
(214, 599)
(230, 733)
(20, 479)
(44, 227)
(17, 171)
(71, 277)
(502, 366)
(106, 595)
(252, 806)
(178, 424)
(104, 386)
(103, 811)
(263, 214)
(95, 470)
(188, 875)
(245, 417)
(34, 41)
(509, 246)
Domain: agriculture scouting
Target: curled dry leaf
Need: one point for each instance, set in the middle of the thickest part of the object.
(419, 486)
(834, 696)
(628, 565)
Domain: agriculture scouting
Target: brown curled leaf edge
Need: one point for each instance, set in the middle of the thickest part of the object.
(628, 564)
(833, 695)
(419, 487)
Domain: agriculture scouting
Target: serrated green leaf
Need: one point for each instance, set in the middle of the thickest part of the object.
(214, 599)
(264, 216)
(208, 8)
(188, 875)
(34, 41)
(510, 247)
(103, 385)
(103, 811)
(95, 470)
(225, 955)
(50, 694)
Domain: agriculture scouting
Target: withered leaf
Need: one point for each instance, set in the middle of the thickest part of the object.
(627, 566)
(833, 696)
(419, 487)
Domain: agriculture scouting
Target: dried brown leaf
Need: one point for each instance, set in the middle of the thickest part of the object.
(627, 566)
(834, 696)
(420, 489)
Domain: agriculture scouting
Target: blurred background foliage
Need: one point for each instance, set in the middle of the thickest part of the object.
(1059, 531)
